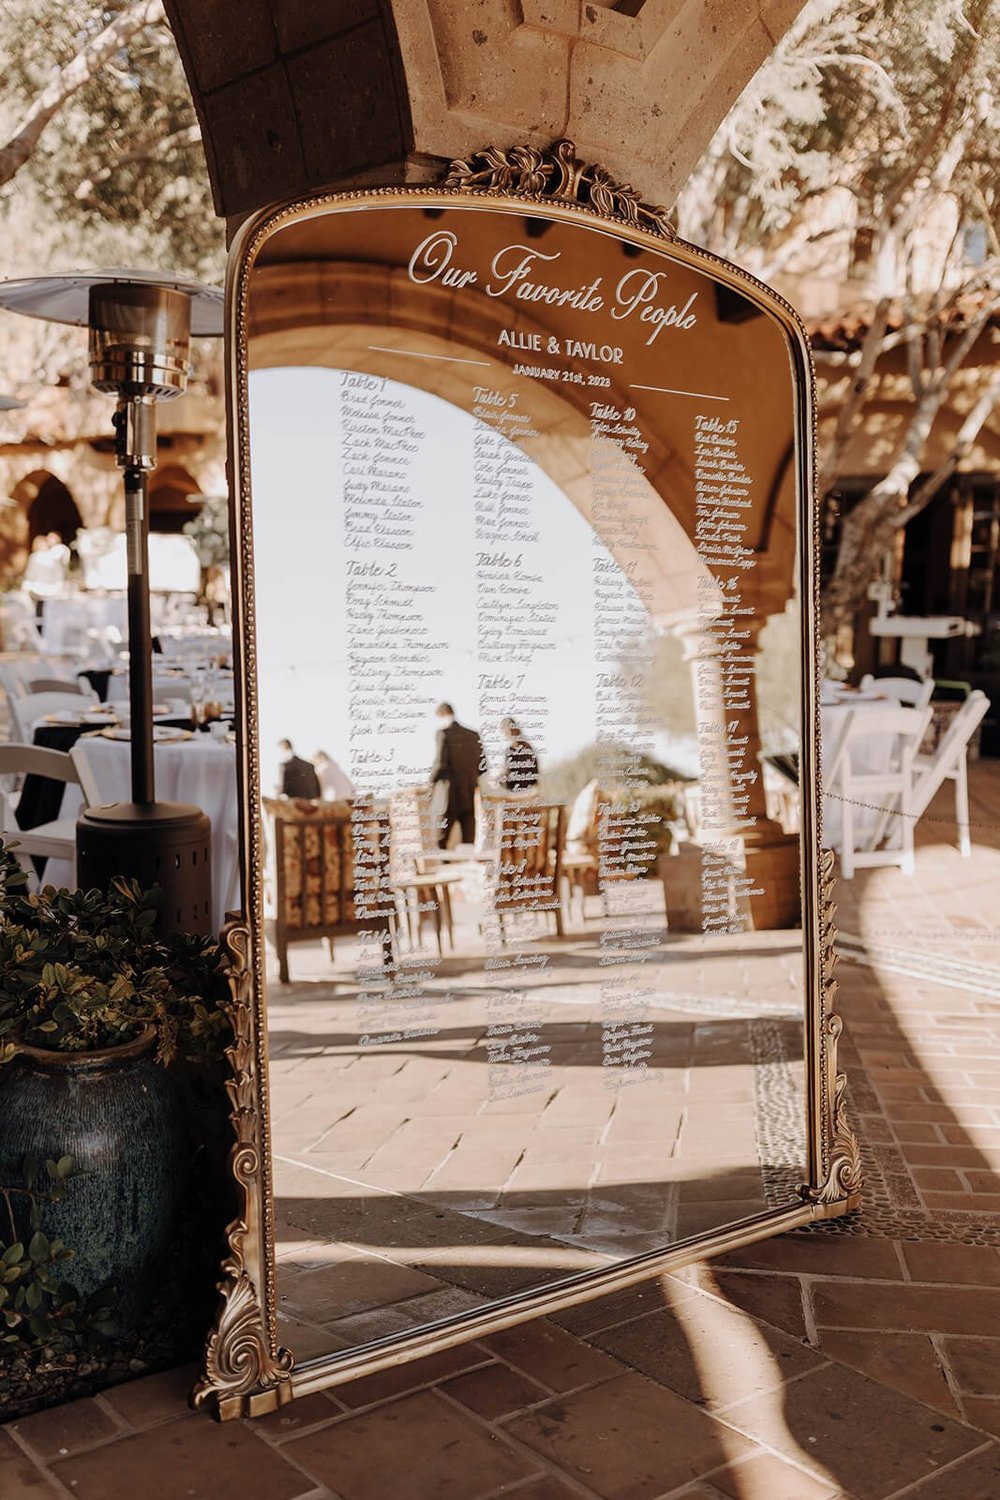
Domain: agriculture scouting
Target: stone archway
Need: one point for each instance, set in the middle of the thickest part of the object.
(306, 311)
(296, 95)
(38, 503)
(170, 504)
(53, 510)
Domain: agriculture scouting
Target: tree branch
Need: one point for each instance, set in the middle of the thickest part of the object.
(65, 83)
(847, 416)
(152, 147)
(964, 439)
(869, 528)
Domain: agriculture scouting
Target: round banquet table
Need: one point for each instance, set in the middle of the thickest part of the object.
(200, 770)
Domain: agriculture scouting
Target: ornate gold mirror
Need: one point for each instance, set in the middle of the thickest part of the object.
(532, 994)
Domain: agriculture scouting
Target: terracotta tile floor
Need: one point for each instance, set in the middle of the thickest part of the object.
(860, 1359)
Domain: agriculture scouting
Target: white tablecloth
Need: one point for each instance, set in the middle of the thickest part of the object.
(200, 770)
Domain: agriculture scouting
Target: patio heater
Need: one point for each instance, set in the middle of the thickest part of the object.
(140, 326)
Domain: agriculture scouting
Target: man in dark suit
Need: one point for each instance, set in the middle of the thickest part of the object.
(460, 762)
(298, 776)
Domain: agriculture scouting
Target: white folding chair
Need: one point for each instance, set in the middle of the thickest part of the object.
(869, 770)
(53, 840)
(94, 795)
(17, 671)
(949, 762)
(27, 710)
(905, 690)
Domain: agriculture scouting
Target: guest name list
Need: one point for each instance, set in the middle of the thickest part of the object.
(537, 854)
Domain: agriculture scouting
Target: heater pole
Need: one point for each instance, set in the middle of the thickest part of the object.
(140, 641)
(135, 450)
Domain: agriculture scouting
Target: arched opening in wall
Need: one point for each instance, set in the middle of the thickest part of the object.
(170, 500)
(306, 527)
(53, 510)
(38, 504)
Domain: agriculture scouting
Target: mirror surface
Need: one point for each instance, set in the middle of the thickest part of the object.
(525, 535)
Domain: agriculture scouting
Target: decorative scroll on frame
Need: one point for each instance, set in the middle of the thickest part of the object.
(246, 1370)
(244, 1373)
(840, 1178)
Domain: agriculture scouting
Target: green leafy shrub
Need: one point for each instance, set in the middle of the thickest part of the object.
(610, 764)
(86, 970)
(635, 829)
(39, 1307)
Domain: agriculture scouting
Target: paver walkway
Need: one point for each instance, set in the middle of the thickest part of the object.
(860, 1359)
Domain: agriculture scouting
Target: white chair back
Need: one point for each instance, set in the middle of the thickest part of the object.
(949, 762)
(17, 671)
(60, 685)
(870, 771)
(905, 690)
(165, 688)
(27, 710)
(50, 840)
(94, 795)
(34, 760)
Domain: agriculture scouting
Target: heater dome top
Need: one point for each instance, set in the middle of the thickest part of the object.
(65, 298)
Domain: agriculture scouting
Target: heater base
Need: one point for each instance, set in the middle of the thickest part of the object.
(167, 844)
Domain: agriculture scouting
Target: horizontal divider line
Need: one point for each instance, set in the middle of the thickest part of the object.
(448, 359)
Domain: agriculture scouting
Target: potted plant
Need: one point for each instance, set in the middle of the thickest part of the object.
(95, 1004)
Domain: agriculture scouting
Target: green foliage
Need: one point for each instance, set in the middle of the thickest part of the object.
(85, 970)
(121, 168)
(668, 689)
(668, 686)
(645, 815)
(609, 764)
(890, 105)
(209, 531)
(39, 1308)
(860, 169)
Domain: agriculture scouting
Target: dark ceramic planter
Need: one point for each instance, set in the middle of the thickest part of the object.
(119, 1117)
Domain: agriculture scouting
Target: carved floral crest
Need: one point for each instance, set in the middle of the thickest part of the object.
(558, 174)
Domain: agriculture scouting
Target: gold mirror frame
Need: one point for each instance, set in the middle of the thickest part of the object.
(246, 1372)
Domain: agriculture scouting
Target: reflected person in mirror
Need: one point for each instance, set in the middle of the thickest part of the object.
(335, 784)
(298, 777)
(459, 762)
(520, 763)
